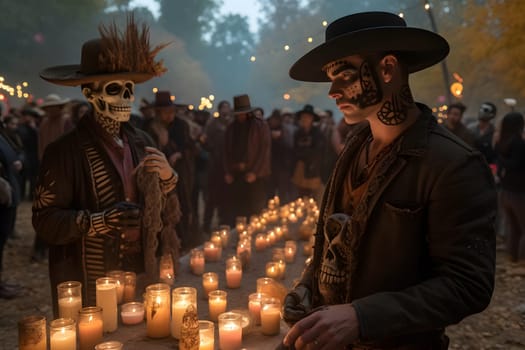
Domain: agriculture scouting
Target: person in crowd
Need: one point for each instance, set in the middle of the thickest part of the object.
(454, 123)
(247, 152)
(105, 198)
(483, 131)
(213, 141)
(405, 243)
(258, 112)
(28, 132)
(55, 122)
(10, 166)
(281, 160)
(510, 151)
(200, 118)
(328, 128)
(180, 152)
(309, 148)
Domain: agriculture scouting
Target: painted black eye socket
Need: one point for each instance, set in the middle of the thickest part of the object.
(129, 86)
(113, 89)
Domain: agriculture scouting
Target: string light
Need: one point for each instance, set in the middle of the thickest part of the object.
(155, 90)
(401, 14)
(215, 114)
(286, 96)
(252, 58)
(172, 98)
(427, 6)
(191, 107)
(325, 23)
(211, 97)
(310, 39)
(286, 47)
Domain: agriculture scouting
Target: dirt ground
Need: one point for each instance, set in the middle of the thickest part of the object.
(501, 326)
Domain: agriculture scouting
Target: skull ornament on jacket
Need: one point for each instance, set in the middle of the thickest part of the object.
(335, 261)
(111, 99)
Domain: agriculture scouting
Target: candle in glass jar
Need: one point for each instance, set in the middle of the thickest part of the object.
(271, 316)
(90, 328)
(260, 241)
(225, 234)
(130, 282)
(158, 310)
(217, 303)
(216, 238)
(132, 313)
(230, 331)
(273, 270)
(212, 251)
(290, 248)
(233, 273)
(106, 296)
(206, 335)
(166, 269)
(210, 282)
(272, 237)
(119, 278)
(32, 333)
(69, 299)
(63, 334)
(182, 299)
(197, 262)
(254, 306)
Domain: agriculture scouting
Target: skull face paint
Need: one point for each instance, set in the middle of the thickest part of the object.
(355, 85)
(112, 99)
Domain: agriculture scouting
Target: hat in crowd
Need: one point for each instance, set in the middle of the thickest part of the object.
(308, 109)
(115, 55)
(367, 33)
(241, 104)
(34, 112)
(53, 100)
(487, 111)
(163, 100)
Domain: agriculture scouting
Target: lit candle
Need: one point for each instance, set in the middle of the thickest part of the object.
(69, 299)
(32, 333)
(260, 241)
(206, 335)
(110, 345)
(272, 237)
(273, 270)
(183, 298)
(216, 238)
(210, 282)
(271, 316)
(225, 234)
(197, 262)
(290, 248)
(119, 278)
(244, 251)
(282, 267)
(265, 285)
(217, 303)
(132, 313)
(106, 296)
(233, 273)
(166, 270)
(240, 223)
(90, 328)
(254, 306)
(158, 310)
(130, 282)
(212, 252)
(230, 331)
(62, 334)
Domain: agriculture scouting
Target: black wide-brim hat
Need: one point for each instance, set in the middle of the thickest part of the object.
(368, 33)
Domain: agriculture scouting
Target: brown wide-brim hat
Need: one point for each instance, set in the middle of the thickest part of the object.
(242, 104)
(368, 33)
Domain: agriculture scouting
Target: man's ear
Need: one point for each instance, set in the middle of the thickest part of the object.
(88, 93)
(388, 65)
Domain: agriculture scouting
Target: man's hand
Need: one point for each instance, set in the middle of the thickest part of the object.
(331, 327)
(250, 178)
(155, 161)
(118, 217)
(297, 304)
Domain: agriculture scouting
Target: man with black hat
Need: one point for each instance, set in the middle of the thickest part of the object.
(104, 198)
(483, 131)
(405, 244)
(247, 151)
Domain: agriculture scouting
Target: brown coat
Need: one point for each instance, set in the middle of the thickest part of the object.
(421, 241)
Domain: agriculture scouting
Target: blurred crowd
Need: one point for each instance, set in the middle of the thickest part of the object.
(231, 161)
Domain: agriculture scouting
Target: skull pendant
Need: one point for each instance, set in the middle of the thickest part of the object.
(334, 265)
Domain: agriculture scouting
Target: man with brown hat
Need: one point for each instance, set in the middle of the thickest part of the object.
(104, 197)
(246, 160)
(405, 244)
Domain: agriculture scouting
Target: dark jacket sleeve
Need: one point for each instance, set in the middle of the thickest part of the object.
(461, 246)
(54, 218)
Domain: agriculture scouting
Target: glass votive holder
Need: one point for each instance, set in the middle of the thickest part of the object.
(212, 251)
(69, 299)
(225, 234)
(273, 270)
(265, 284)
(63, 334)
(90, 327)
(32, 334)
(119, 277)
(158, 310)
(106, 297)
(290, 249)
(241, 222)
(206, 335)
(230, 331)
(130, 286)
(254, 306)
(272, 237)
(271, 316)
(183, 303)
(216, 237)
(210, 282)
(217, 302)
(132, 313)
(233, 273)
(260, 242)
(110, 345)
(282, 267)
(197, 262)
(166, 269)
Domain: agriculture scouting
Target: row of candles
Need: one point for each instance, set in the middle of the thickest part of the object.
(119, 287)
